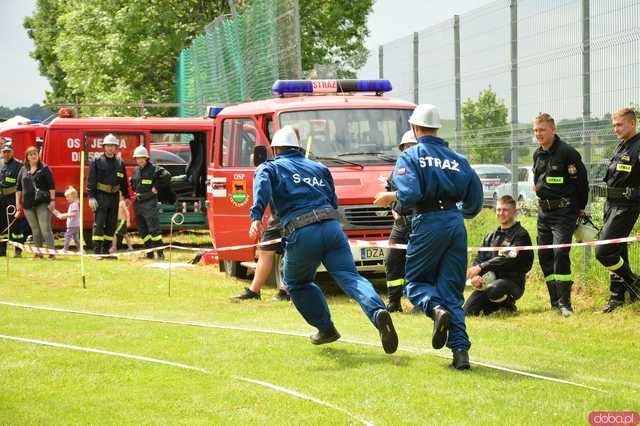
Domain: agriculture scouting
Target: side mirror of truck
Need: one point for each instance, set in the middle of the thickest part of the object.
(260, 155)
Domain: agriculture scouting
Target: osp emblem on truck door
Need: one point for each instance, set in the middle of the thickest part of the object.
(239, 196)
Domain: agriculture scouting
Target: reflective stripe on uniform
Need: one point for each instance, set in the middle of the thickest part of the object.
(555, 179)
(500, 299)
(107, 238)
(4, 235)
(157, 238)
(623, 168)
(147, 181)
(617, 266)
(396, 283)
(10, 179)
(558, 277)
(120, 225)
(97, 238)
(146, 238)
(17, 236)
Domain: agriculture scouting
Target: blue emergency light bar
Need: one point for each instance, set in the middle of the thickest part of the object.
(282, 87)
(213, 111)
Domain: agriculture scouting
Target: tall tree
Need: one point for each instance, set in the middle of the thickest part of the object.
(485, 131)
(119, 51)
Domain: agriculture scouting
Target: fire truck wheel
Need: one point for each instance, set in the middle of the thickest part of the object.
(233, 268)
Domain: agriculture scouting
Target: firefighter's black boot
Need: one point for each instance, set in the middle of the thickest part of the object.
(616, 298)
(553, 293)
(564, 299)
(441, 319)
(395, 294)
(634, 290)
(460, 359)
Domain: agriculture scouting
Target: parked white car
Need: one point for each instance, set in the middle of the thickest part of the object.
(526, 194)
(491, 176)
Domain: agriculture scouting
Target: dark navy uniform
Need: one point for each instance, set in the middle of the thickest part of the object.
(8, 181)
(147, 214)
(510, 272)
(395, 259)
(107, 179)
(433, 179)
(620, 215)
(562, 188)
(303, 195)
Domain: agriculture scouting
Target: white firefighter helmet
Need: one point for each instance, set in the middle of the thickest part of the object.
(285, 137)
(408, 139)
(585, 230)
(426, 115)
(110, 140)
(140, 151)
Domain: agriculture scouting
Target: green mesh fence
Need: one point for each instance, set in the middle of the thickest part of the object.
(238, 59)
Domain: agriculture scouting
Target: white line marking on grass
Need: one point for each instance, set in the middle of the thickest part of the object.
(102, 352)
(291, 333)
(305, 397)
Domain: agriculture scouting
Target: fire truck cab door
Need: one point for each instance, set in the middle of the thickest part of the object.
(230, 184)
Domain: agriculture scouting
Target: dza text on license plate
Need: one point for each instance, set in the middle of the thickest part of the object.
(371, 253)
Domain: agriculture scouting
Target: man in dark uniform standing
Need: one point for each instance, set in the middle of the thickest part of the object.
(303, 195)
(107, 178)
(562, 187)
(9, 169)
(394, 259)
(433, 179)
(144, 182)
(508, 267)
(621, 210)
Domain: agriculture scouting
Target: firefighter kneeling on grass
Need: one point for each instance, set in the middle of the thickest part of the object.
(145, 182)
(107, 178)
(499, 276)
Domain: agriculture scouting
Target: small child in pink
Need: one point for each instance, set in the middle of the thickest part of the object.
(73, 218)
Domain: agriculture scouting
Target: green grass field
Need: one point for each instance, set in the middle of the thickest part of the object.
(52, 385)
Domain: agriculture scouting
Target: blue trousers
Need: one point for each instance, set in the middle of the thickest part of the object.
(436, 268)
(325, 243)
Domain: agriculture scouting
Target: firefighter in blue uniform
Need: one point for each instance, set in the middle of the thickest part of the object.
(395, 259)
(9, 169)
(433, 180)
(145, 181)
(107, 178)
(562, 187)
(303, 195)
(622, 209)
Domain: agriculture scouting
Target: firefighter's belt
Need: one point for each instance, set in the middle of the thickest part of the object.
(108, 188)
(547, 205)
(7, 191)
(623, 194)
(144, 196)
(435, 205)
(315, 216)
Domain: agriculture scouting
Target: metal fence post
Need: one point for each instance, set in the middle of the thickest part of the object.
(458, 95)
(586, 104)
(381, 61)
(416, 65)
(514, 98)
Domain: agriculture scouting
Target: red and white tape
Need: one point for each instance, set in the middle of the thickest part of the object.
(354, 243)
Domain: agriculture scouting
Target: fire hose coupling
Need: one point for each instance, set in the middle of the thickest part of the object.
(177, 219)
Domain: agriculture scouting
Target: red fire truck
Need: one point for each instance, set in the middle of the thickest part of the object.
(355, 134)
(346, 124)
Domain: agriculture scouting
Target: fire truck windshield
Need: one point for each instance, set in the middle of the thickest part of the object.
(365, 136)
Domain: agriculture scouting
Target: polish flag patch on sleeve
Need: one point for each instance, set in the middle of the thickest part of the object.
(401, 171)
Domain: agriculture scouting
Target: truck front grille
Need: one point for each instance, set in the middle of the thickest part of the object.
(366, 217)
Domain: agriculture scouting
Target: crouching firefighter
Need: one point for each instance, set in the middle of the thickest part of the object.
(9, 170)
(395, 259)
(107, 179)
(146, 180)
(508, 268)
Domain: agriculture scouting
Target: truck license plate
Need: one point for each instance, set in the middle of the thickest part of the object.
(371, 253)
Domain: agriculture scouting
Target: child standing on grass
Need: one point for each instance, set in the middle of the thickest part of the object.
(73, 218)
(124, 222)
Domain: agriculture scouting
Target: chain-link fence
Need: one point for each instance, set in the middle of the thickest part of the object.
(239, 57)
(490, 71)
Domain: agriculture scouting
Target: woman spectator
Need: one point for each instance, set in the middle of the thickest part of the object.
(35, 195)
